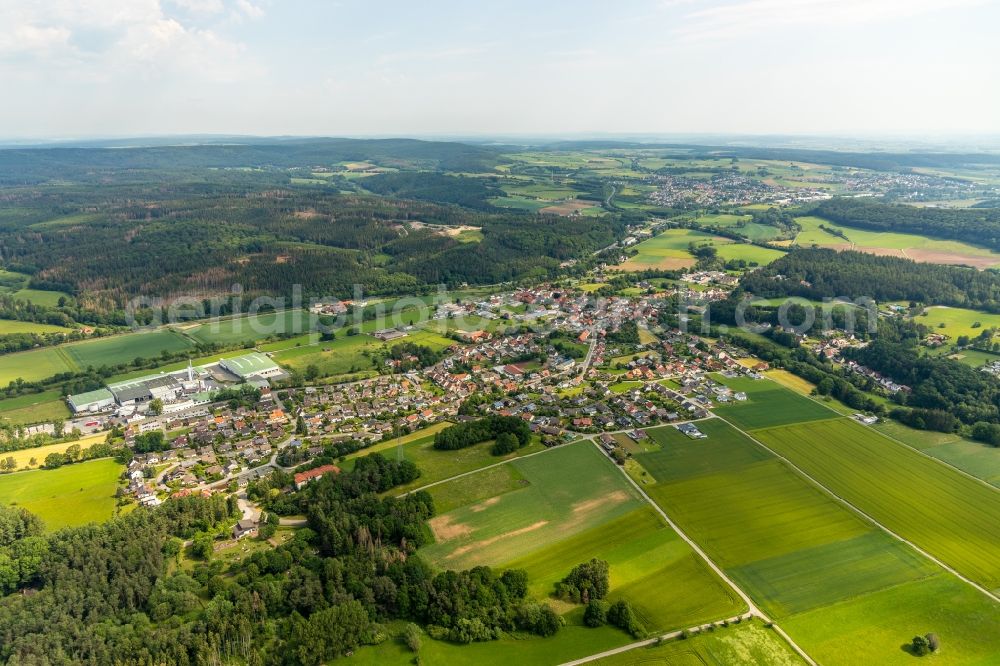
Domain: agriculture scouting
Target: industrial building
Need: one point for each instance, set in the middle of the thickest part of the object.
(251, 366)
(91, 401)
(177, 390)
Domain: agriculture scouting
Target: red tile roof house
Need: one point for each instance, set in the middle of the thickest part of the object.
(302, 478)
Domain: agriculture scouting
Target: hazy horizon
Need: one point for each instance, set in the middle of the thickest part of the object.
(791, 68)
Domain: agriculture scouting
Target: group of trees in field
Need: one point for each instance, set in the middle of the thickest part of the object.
(406, 352)
(588, 584)
(626, 334)
(463, 435)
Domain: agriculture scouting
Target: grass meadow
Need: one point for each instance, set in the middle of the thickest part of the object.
(48, 361)
(33, 408)
(436, 465)
(568, 490)
(125, 348)
(11, 327)
(744, 643)
(955, 322)
(668, 250)
(71, 495)
(875, 628)
(768, 404)
(667, 583)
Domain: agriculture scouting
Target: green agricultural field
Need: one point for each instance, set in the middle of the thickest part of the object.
(425, 338)
(125, 348)
(680, 457)
(769, 404)
(71, 495)
(810, 561)
(33, 408)
(975, 458)
(756, 512)
(549, 192)
(11, 281)
(519, 203)
(554, 505)
(750, 253)
(347, 354)
(669, 250)
(873, 628)
(666, 582)
(12, 327)
(740, 224)
(248, 328)
(744, 643)
(722, 220)
(41, 297)
(474, 488)
(947, 514)
(917, 439)
(438, 465)
(918, 248)
(35, 365)
(344, 355)
(789, 583)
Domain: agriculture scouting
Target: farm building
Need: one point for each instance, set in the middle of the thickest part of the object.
(91, 401)
(251, 366)
(389, 334)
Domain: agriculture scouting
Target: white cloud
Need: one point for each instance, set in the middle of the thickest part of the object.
(101, 40)
(750, 16)
(30, 38)
(200, 7)
(249, 9)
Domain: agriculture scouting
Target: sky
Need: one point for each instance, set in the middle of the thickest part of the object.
(98, 68)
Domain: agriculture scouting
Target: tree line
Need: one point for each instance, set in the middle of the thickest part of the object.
(822, 273)
(464, 435)
(979, 226)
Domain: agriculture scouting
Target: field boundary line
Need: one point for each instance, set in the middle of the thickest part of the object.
(945, 463)
(938, 460)
(669, 636)
(751, 606)
(483, 469)
(866, 516)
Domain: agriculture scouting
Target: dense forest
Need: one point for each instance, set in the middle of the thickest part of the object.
(96, 162)
(821, 273)
(109, 594)
(979, 226)
(205, 238)
(468, 191)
